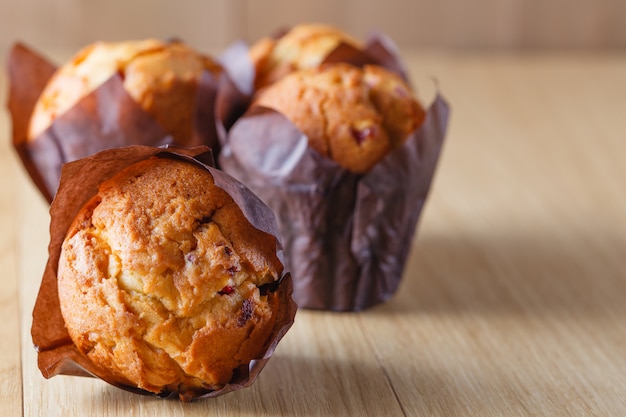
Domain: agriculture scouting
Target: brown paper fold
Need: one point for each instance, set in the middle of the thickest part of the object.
(235, 90)
(106, 118)
(33, 71)
(57, 355)
(346, 236)
(379, 50)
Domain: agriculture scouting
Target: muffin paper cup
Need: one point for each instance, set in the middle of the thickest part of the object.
(57, 354)
(106, 118)
(33, 72)
(346, 236)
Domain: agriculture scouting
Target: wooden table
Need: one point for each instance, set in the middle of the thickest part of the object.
(513, 302)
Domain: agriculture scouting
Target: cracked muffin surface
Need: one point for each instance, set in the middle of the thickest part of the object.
(352, 115)
(163, 282)
(162, 77)
(303, 46)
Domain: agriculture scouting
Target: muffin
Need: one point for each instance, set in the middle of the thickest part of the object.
(164, 284)
(110, 95)
(302, 46)
(354, 116)
(344, 155)
(162, 77)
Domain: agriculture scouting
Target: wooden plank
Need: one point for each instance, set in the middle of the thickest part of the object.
(485, 24)
(513, 301)
(71, 24)
(10, 369)
(212, 25)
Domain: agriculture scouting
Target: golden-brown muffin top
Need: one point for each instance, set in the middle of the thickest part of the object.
(161, 276)
(148, 67)
(352, 115)
(302, 46)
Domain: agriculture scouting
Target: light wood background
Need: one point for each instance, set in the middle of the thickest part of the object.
(213, 24)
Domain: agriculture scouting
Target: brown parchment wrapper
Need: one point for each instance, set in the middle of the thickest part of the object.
(379, 49)
(236, 89)
(106, 118)
(346, 236)
(57, 355)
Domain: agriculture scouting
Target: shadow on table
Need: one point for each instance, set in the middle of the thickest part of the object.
(524, 272)
(287, 386)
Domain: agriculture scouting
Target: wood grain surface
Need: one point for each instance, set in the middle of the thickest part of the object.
(458, 24)
(513, 302)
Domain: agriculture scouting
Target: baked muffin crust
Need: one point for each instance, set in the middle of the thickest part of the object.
(303, 46)
(352, 115)
(163, 282)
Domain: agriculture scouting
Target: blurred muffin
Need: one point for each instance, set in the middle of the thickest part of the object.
(302, 46)
(164, 283)
(162, 77)
(352, 115)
